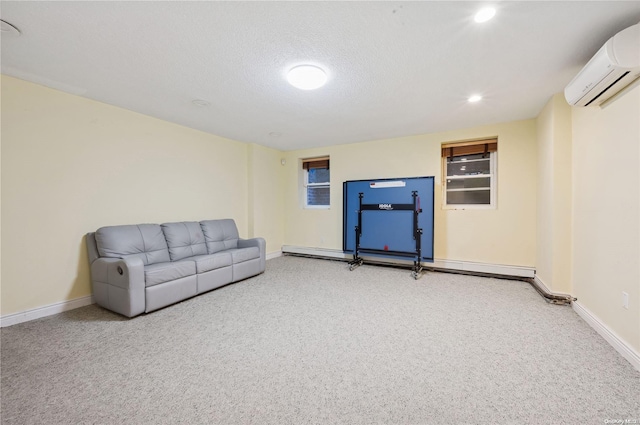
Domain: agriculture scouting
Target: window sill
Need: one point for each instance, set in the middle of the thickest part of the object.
(317, 207)
(469, 207)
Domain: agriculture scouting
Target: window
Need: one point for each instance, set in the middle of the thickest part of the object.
(316, 182)
(470, 174)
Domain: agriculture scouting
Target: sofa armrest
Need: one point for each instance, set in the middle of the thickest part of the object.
(118, 284)
(262, 246)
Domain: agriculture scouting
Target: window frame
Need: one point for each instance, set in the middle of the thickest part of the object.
(493, 179)
(306, 185)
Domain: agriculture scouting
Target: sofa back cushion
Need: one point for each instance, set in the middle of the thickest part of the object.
(140, 240)
(185, 239)
(220, 234)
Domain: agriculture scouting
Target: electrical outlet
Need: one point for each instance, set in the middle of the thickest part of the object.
(625, 300)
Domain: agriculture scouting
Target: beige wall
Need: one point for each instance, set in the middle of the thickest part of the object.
(606, 218)
(553, 253)
(505, 235)
(71, 165)
(266, 207)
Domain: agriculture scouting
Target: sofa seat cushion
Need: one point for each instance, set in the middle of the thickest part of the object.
(166, 272)
(206, 263)
(240, 255)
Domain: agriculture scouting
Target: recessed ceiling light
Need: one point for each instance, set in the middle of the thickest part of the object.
(475, 98)
(307, 77)
(485, 14)
(200, 102)
(275, 134)
(9, 29)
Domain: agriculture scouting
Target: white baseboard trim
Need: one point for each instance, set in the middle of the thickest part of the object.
(44, 311)
(274, 254)
(466, 266)
(541, 284)
(316, 252)
(51, 309)
(619, 344)
(546, 288)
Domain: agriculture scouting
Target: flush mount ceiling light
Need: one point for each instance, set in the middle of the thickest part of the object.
(307, 77)
(8, 29)
(485, 14)
(475, 98)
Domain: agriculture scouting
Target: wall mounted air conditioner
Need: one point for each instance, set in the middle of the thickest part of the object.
(616, 65)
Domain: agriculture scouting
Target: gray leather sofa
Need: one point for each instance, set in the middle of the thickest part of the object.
(140, 268)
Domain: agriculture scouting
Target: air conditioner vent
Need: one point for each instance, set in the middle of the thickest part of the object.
(611, 69)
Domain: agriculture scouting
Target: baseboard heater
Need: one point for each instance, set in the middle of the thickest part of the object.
(558, 299)
(330, 254)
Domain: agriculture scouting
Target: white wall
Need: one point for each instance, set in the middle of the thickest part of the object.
(71, 165)
(506, 235)
(606, 212)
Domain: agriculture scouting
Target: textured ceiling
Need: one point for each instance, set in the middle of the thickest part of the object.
(395, 68)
